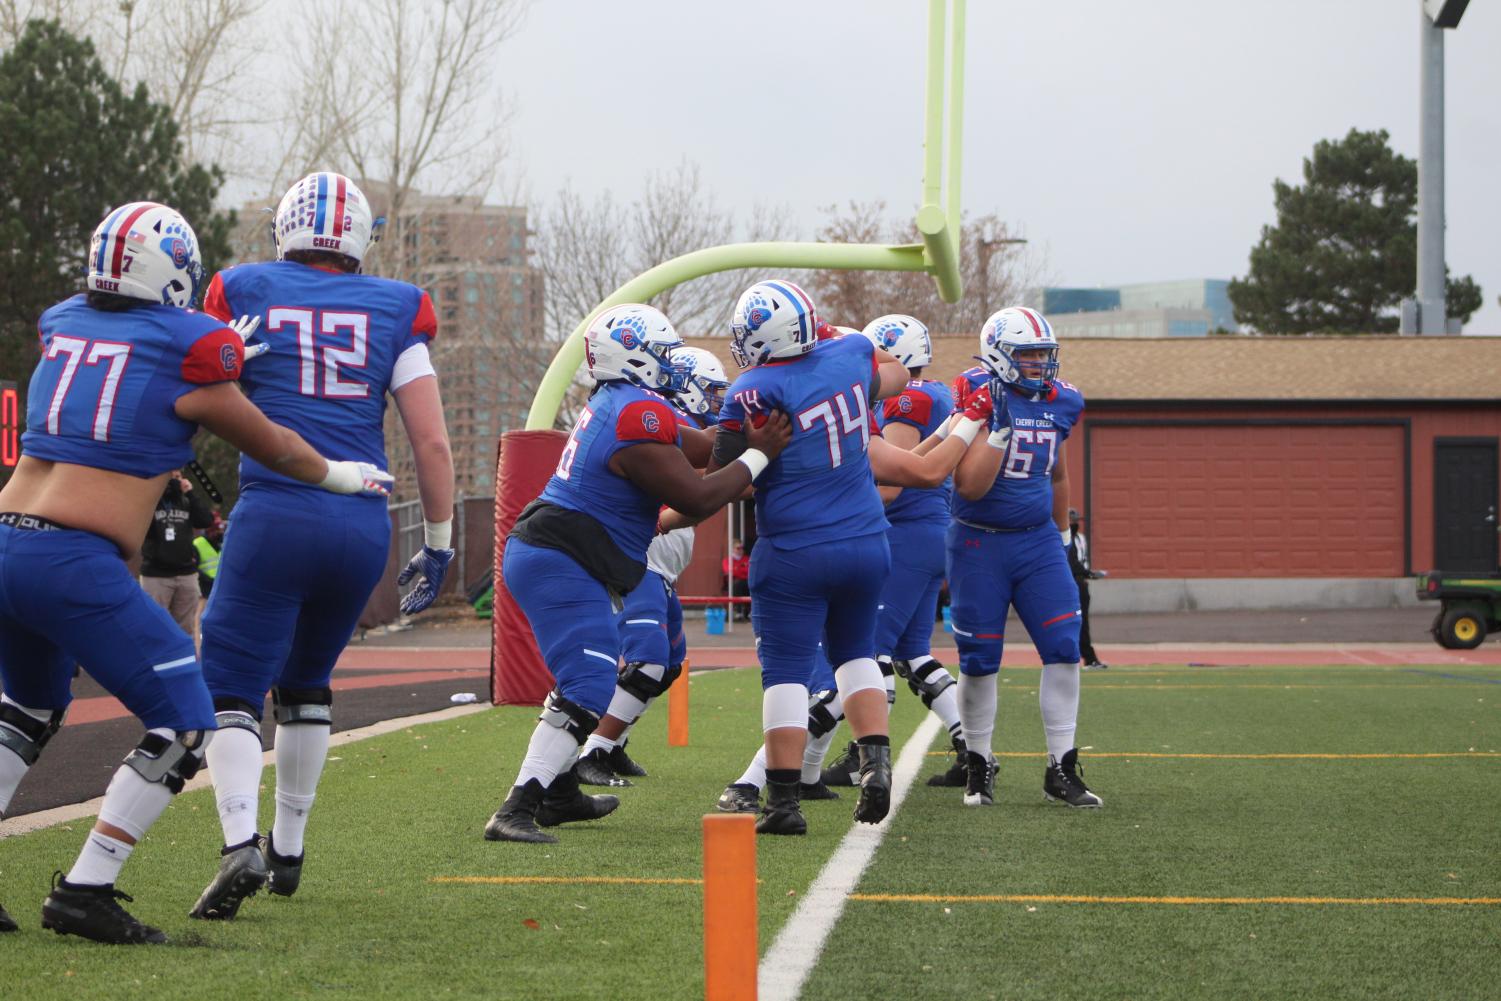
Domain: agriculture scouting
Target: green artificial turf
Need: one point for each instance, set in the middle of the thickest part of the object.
(398, 811)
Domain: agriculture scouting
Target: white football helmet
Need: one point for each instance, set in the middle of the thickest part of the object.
(634, 342)
(773, 319)
(906, 338)
(704, 381)
(1013, 329)
(325, 211)
(145, 251)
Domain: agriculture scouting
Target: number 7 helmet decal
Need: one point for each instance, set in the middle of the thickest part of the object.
(145, 250)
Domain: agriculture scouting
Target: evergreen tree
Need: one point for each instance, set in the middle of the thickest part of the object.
(1343, 253)
(77, 144)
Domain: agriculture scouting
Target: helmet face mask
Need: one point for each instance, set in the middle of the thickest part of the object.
(773, 319)
(1018, 347)
(635, 343)
(145, 250)
(704, 382)
(325, 212)
(905, 337)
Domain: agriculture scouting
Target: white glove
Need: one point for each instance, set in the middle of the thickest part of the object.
(245, 327)
(1068, 537)
(357, 478)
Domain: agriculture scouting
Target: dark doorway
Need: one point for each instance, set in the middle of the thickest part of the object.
(1464, 503)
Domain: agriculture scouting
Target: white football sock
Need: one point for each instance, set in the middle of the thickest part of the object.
(551, 752)
(598, 743)
(755, 772)
(813, 754)
(1058, 695)
(977, 705)
(100, 861)
(234, 762)
(946, 708)
(301, 749)
(131, 803)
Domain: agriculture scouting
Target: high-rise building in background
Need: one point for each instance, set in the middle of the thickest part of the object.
(490, 351)
(1192, 308)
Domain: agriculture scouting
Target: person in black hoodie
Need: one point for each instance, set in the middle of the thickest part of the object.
(169, 563)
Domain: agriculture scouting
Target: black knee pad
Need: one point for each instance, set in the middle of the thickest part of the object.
(634, 680)
(820, 720)
(568, 716)
(234, 713)
(930, 681)
(303, 705)
(170, 761)
(25, 734)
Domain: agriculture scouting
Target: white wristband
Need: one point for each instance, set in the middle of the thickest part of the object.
(437, 534)
(943, 429)
(1068, 537)
(755, 460)
(998, 440)
(967, 428)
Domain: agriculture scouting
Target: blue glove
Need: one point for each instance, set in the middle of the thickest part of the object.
(1000, 408)
(428, 567)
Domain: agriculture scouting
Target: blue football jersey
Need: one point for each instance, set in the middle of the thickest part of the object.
(334, 338)
(924, 404)
(103, 393)
(618, 416)
(1022, 495)
(820, 489)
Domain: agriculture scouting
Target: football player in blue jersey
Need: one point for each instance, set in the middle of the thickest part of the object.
(577, 550)
(127, 376)
(651, 623)
(919, 520)
(822, 558)
(1006, 548)
(339, 341)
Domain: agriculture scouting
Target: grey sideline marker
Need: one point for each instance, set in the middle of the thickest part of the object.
(785, 967)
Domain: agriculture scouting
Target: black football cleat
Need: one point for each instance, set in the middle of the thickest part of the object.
(516, 820)
(7, 923)
(740, 797)
(1063, 782)
(594, 769)
(94, 912)
(622, 763)
(979, 782)
(782, 814)
(284, 871)
(564, 803)
(875, 783)
(242, 871)
(1096, 665)
(955, 776)
(845, 770)
(815, 790)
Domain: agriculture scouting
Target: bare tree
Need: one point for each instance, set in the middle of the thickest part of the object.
(14, 14)
(995, 268)
(401, 93)
(588, 249)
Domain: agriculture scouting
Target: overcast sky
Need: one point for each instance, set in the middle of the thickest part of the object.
(1129, 140)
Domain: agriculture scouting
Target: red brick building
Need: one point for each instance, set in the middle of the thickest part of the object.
(1269, 457)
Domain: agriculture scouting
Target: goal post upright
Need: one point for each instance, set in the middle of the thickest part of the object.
(937, 222)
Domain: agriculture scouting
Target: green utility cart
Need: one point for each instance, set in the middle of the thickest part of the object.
(1471, 606)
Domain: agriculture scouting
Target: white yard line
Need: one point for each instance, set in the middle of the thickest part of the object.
(77, 811)
(786, 965)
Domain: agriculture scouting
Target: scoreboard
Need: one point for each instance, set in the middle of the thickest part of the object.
(10, 427)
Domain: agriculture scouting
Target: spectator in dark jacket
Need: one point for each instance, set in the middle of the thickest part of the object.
(1078, 562)
(169, 562)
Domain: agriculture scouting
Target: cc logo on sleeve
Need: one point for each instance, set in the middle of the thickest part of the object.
(651, 422)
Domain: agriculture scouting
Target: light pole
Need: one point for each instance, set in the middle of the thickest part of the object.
(1432, 314)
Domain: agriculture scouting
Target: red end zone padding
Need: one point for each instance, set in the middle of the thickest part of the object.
(526, 461)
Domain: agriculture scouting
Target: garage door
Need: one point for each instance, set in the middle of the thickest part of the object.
(1242, 501)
